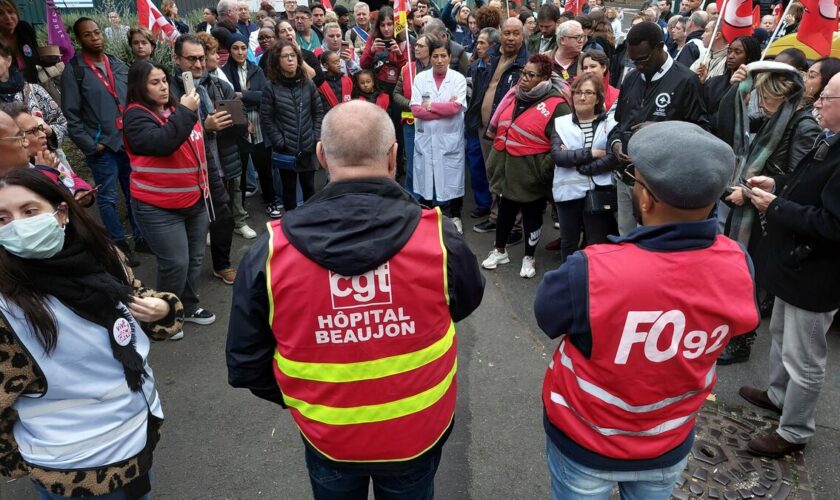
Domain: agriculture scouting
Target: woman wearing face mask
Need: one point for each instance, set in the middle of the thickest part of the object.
(66, 295)
(519, 165)
(290, 115)
(786, 134)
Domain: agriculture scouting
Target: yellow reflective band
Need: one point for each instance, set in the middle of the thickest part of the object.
(366, 370)
(443, 249)
(373, 413)
(268, 275)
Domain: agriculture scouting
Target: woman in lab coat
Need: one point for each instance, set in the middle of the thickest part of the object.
(438, 102)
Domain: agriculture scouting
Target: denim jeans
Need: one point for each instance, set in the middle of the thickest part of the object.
(414, 483)
(177, 238)
(572, 481)
(478, 172)
(118, 494)
(108, 169)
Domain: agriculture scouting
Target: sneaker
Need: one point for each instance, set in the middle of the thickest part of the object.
(485, 227)
(556, 225)
(528, 270)
(458, 225)
(227, 275)
(208, 240)
(200, 317)
(246, 232)
(515, 238)
(273, 210)
(480, 212)
(177, 336)
(249, 193)
(494, 258)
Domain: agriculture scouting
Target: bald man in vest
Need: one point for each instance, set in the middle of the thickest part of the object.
(343, 313)
(641, 322)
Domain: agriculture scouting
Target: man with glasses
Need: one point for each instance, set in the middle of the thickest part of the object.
(570, 41)
(802, 268)
(307, 37)
(13, 145)
(659, 90)
(637, 356)
(93, 90)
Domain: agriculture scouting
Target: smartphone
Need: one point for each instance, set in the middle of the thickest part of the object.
(189, 84)
(93, 190)
(345, 44)
(236, 110)
(746, 189)
(388, 42)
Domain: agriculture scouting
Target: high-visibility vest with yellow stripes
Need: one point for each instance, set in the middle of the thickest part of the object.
(525, 134)
(659, 321)
(367, 363)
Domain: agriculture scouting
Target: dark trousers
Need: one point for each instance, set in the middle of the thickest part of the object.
(221, 237)
(261, 156)
(416, 482)
(573, 218)
(478, 172)
(532, 215)
(290, 179)
(451, 208)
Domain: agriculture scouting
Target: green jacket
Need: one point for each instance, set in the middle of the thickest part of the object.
(525, 178)
(534, 44)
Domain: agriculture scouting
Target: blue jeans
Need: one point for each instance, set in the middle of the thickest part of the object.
(108, 168)
(118, 494)
(478, 172)
(414, 483)
(408, 139)
(572, 481)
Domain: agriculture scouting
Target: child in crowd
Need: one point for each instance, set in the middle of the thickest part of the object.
(366, 89)
(337, 87)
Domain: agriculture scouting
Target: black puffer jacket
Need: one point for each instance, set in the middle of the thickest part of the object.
(291, 115)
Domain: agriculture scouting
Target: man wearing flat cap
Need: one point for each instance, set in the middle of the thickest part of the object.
(641, 322)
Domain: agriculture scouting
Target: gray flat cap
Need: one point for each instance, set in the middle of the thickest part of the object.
(684, 166)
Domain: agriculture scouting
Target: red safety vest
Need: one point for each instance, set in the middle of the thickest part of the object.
(175, 181)
(328, 93)
(658, 324)
(525, 135)
(383, 100)
(366, 364)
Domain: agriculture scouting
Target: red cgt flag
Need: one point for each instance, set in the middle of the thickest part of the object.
(572, 7)
(756, 17)
(737, 18)
(819, 22)
(778, 10)
(149, 17)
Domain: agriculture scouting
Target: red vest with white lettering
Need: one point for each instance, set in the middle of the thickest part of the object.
(327, 91)
(659, 321)
(174, 181)
(525, 135)
(366, 364)
(383, 100)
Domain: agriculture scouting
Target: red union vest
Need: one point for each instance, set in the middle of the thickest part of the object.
(383, 100)
(366, 363)
(174, 181)
(659, 320)
(525, 135)
(346, 90)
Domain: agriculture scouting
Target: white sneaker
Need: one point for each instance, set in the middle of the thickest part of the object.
(246, 232)
(528, 270)
(494, 258)
(177, 336)
(208, 239)
(458, 225)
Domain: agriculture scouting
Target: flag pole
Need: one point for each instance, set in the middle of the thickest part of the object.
(776, 31)
(708, 56)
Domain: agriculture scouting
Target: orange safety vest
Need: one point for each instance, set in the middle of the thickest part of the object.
(525, 135)
(366, 364)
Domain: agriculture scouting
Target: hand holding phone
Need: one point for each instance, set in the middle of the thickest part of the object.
(189, 83)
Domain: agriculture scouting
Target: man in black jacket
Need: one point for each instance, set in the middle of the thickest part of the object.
(659, 90)
(802, 269)
(356, 234)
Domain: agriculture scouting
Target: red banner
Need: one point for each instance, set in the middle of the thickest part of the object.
(819, 22)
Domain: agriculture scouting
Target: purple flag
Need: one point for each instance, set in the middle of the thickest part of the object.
(57, 34)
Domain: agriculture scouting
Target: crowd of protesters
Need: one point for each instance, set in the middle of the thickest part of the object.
(539, 106)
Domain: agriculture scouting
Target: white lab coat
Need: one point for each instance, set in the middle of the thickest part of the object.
(439, 149)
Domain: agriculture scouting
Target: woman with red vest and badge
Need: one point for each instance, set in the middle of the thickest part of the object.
(641, 322)
(438, 102)
(337, 86)
(169, 181)
(519, 166)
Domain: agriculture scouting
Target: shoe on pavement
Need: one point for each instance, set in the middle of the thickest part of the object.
(553, 245)
(772, 445)
(758, 398)
(485, 227)
(130, 258)
(177, 336)
(458, 224)
(515, 238)
(528, 270)
(208, 240)
(227, 275)
(273, 210)
(494, 258)
(737, 351)
(480, 212)
(200, 317)
(249, 193)
(246, 232)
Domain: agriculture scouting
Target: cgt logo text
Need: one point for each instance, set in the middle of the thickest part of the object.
(370, 289)
(690, 345)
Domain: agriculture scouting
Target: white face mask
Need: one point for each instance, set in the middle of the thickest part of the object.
(39, 237)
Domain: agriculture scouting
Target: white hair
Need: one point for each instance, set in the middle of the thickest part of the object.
(565, 28)
(361, 4)
(225, 6)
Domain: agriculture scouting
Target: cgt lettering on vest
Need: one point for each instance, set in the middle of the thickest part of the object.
(694, 343)
(365, 290)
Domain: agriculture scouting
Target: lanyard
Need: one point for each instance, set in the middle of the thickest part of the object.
(110, 84)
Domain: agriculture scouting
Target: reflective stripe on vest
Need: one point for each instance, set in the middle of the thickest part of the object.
(361, 359)
(525, 135)
(163, 189)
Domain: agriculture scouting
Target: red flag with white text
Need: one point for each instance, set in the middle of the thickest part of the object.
(756, 17)
(327, 4)
(819, 22)
(572, 7)
(149, 17)
(737, 18)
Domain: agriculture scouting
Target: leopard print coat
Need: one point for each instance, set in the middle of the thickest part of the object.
(19, 374)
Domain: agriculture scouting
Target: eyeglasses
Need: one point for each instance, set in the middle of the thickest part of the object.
(822, 98)
(642, 60)
(21, 138)
(577, 38)
(584, 93)
(35, 130)
(628, 177)
(195, 59)
(530, 75)
(288, 56)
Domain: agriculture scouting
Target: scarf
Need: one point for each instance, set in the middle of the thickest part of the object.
(555, 83)
(539, 91)
(79, 281)
(752, 156)
(13, 86)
